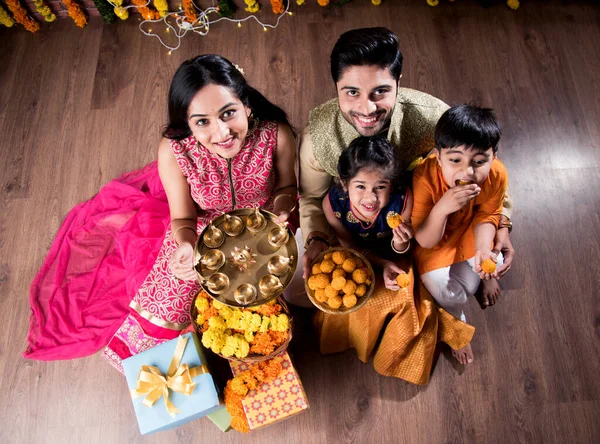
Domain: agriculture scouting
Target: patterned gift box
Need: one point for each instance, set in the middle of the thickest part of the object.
(275, 400)
(202, 401)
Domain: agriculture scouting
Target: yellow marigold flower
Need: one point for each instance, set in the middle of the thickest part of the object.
(243, 348)
(432, 2)
(217, 322)
(513, 4)
(255, 323)
(283, 323)
(121, 12)
(201, 304)
(264, 326)
(200, 319)
(218, 305)
(376, 2)
(300, 2)
(226, 312)
(249, 336)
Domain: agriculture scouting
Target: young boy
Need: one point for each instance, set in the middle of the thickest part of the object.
(458, 196)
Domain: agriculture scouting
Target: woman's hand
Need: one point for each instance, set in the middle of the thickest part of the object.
(390, 273)
(182, 262)
(283, 206)
(502, 244)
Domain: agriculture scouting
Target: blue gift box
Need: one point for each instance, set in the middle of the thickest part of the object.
(203, 400)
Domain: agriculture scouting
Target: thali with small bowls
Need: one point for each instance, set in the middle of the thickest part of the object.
(244, 258)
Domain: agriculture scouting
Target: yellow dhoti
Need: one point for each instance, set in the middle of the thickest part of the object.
(408, 323)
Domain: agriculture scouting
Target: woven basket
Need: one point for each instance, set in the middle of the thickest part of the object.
(250, 358)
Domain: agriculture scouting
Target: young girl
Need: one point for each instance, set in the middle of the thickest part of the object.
(367, 196)
(404, 324)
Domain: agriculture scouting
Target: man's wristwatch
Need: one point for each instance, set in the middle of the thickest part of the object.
(311, 239)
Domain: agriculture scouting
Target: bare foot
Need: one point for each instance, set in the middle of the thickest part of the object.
(464, 355)
(490, 291)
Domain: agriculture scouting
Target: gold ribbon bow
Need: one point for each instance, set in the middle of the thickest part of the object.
(152, 382)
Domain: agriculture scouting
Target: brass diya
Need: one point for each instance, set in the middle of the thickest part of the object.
(269, 285)
(248, 257)
(279, 235)
(233, 225)
(245, 294)
(256, 222)
(217, 283)
(213, 237)
(213, 259)
(279, 265)
(242, 258)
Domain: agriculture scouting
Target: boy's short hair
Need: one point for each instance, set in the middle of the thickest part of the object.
(469, 125)
(366, 47)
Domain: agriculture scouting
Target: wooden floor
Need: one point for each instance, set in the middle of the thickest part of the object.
(79, 107)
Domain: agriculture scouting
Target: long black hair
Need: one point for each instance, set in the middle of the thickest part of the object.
(211, 69)
(372, 153)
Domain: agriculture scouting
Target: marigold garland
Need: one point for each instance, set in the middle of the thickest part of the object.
(106, 11)
(75, 13)
(147, 13)
(20, 15)
(252, 6)
(162, 7)
(238, 387)
(277, 6)
(513, 4)
(5, 18)
(44, 10)
(190, 11)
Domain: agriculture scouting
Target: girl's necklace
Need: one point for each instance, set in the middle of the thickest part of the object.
(369, 220)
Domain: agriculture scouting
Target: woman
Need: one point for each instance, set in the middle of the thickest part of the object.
(225, 147)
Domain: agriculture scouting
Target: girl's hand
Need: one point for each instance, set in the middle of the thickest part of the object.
(403, 233)
(390, 272)
(182, 262)
(457, 197)
(480, 256)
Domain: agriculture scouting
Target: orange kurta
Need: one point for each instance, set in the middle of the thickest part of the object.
(458, 241)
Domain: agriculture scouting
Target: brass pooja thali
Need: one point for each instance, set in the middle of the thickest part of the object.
(244, 258)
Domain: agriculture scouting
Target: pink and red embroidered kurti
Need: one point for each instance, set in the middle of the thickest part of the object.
(159, 304)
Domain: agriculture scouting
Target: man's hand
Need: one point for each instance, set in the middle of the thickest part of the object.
(503, 245)
(313, 250)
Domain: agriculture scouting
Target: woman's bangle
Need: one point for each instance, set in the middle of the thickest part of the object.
(179, 229)
(400, 252)
(279, 196)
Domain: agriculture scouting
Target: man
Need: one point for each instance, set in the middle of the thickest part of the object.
(366, 65)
